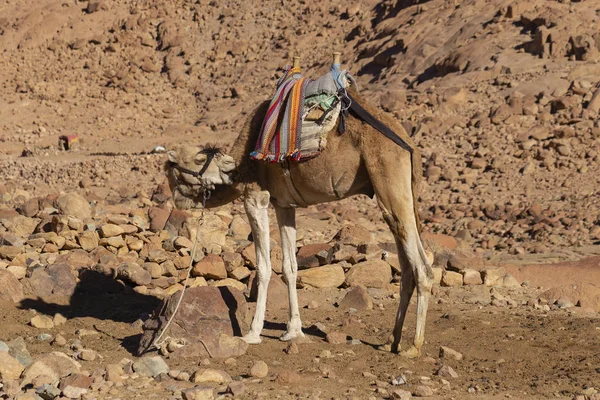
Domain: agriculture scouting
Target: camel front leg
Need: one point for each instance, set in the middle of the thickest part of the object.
(256, 204)
(286, 219)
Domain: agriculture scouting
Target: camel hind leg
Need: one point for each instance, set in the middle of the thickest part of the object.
(392, 181)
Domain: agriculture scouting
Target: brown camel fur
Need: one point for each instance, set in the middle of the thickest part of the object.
(359, 161)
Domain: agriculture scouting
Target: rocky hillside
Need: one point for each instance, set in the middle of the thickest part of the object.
(501, 96)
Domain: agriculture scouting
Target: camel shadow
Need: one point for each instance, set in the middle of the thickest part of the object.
(280, 326)
(100, 297)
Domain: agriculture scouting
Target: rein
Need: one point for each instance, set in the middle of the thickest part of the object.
(159, 342)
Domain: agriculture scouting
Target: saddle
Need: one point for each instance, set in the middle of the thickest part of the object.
(301, 113)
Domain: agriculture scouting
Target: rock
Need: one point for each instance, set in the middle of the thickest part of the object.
(10, 367)
(205, 313)
(240, 273)
(157, 255)
(158, 218)
(21, 226)
(12, 290)
(450, 278)
(211, 375)
(260, 369)
(336, 337)
(236, 388)
(110, 230)
(447, 352)
(42, 322)
(585, 295)
(447, 372)
(249, 255)
(229, 282)
(594, 103)
(48, 391)
(72, 204)
(455, 96)
(393, 100)
(353, 235)
(87, 355)
(372, 274)
(55, 365)
(232, 260)
(471, 277)
(322, 277)
(134, 273)
(400, 394)
(510, 281)
(55, 279)
(493, 276)
(181, 242)
(59, 340)
(313, 255)
(88, 240)
(210, 267)
(437, 275)
(10, 252)
(114, 373)
(18, 349)
(357, 298)
(198, 393)
(72, 392)
(76, 380)
(17, 271)
(239, 228)
(423, 391)
(150, 366)
(155, 270)
(30, 208)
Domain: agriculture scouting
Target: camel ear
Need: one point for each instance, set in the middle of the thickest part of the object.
(172, 155)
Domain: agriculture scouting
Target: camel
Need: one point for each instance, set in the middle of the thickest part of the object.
(359, 161)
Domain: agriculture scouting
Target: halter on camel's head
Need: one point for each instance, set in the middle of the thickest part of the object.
(195, 171)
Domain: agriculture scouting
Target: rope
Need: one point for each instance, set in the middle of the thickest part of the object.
(158, 342)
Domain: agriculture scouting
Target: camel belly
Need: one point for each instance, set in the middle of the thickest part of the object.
(337, 173)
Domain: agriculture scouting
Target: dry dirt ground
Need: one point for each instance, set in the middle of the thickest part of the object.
(515, 352)
(502, 98)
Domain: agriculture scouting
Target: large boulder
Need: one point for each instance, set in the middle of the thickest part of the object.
(585, 295)
(327, 276)
(372, 274)
(205, 314)
(10, 367)
(11, 288)
(56, 279)
(55, 365)
(72, 204)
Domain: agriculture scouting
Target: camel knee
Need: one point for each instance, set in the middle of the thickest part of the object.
(264, 277)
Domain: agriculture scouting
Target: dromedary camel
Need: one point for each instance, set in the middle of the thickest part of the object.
(359, 161)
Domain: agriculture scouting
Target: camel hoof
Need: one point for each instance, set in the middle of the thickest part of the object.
(413, 352)
(252, 338)
(286, 337)
(385, 347)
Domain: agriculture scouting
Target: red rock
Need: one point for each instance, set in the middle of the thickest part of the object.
(443, 240)
(353, 235)
(12, 290)
(206, 313)
(158, 218)
(210, 267)
(357, 298)
(313, 255)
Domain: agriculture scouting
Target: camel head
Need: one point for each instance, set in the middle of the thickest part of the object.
(194, 170)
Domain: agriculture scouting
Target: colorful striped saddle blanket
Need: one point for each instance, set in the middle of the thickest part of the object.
(300, 115)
